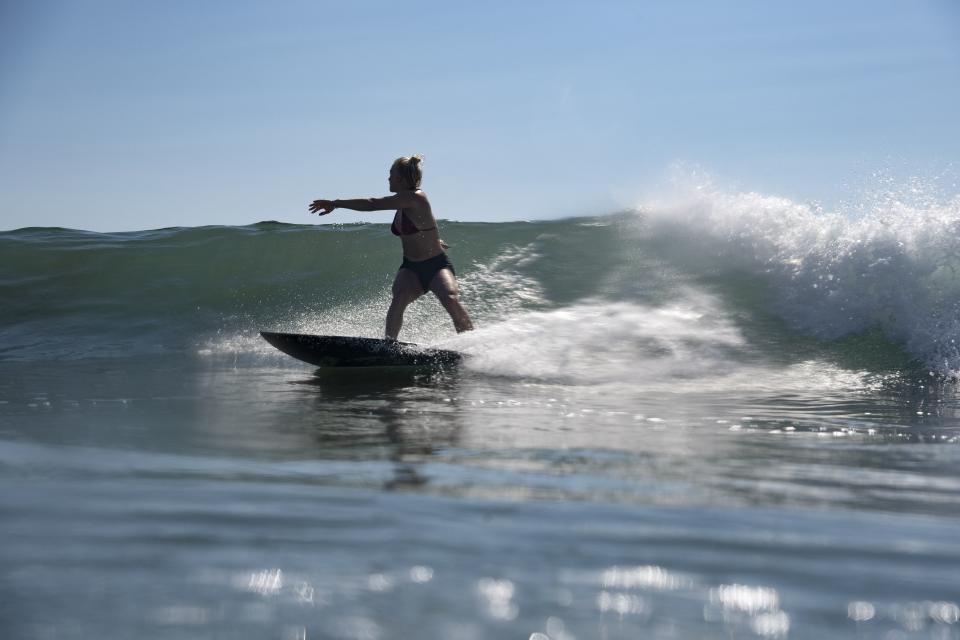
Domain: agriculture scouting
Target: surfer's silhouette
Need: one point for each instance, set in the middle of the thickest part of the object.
(426, 266)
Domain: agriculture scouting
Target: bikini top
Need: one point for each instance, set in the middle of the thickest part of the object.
(407, 228)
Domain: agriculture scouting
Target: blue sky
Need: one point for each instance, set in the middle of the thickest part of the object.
(123, 114)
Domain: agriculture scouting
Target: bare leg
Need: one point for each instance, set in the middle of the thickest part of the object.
(444, 286)
(406, 289)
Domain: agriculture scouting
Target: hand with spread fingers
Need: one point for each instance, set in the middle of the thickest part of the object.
(323, 207)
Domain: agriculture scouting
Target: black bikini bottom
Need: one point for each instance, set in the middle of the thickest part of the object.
(426, 269)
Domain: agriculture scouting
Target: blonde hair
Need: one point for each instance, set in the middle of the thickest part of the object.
(410, 167)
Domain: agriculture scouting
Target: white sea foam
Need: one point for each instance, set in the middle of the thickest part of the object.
(690, 346)
(894, 266)
(596, 342)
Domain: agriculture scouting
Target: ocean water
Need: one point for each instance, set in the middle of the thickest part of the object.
(719, 416)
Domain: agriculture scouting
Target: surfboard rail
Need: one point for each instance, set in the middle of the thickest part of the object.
(355, 351)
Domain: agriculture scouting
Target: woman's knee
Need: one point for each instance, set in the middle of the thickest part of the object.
(448, 298)
(444, 285)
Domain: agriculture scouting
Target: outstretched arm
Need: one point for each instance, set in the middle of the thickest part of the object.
(396, 201)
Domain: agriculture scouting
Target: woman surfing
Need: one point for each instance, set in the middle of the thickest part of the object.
(425, 266)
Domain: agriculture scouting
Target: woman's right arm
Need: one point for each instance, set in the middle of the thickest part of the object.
(396, 201)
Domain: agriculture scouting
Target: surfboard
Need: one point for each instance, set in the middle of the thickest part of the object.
(349, 351)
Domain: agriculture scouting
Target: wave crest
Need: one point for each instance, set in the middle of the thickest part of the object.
(830, 275)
